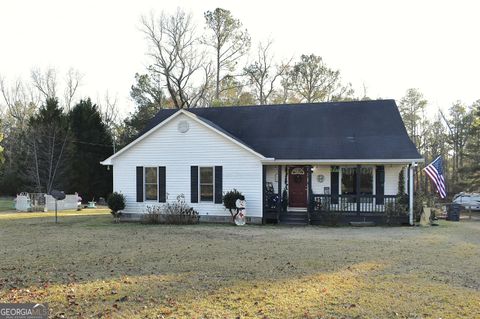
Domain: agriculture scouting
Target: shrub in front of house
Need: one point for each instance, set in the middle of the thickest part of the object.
(152, 216)
(175, 213)
(230, 202)
(116, 203)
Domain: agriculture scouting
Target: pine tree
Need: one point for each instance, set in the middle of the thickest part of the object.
(91, 143)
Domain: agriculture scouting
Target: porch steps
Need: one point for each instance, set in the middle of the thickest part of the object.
(293, 218)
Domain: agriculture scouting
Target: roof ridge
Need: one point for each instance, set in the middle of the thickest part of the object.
(288, 104)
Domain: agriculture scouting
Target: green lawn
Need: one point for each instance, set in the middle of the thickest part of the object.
(87, 266)
(6, 204)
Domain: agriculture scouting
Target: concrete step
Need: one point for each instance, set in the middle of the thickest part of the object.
(294, 218)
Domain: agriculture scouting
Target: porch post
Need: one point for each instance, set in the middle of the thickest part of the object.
(410, 193)
(309, 192)
(279, 187)
(264, 186)
(357, 187)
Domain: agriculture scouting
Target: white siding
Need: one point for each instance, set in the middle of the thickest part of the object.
(199, 146)
(391, 178)
(272, 172)
(317, 187)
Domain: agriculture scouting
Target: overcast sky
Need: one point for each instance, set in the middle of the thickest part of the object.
(389, 46)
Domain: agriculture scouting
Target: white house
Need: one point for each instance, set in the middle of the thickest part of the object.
(294, 163)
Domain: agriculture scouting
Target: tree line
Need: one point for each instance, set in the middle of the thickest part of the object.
(216, 65)
(51, 142)
(454, 135)
(51, 139)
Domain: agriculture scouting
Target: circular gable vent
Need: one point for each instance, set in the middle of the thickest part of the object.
(183, 126)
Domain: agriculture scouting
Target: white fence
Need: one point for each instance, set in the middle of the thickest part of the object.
(24, 202)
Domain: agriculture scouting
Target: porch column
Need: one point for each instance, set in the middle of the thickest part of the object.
(264, 186)
(410, 192)
(309, 191)
(357, 187)
(279, 187)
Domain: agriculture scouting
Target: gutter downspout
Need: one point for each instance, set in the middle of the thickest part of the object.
(410, 193)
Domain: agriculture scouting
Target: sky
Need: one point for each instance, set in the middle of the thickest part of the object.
(388, 46)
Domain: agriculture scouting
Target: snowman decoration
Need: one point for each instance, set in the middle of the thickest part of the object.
(240, 218)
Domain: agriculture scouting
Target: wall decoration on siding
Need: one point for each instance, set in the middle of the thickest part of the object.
(320, 178)
(183, 126)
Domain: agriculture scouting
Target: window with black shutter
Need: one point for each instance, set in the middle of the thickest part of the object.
(194, 184)
(139, 183)
(162, 184)
(218, 184)
(380, 185)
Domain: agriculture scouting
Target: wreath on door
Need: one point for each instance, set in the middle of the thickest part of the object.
(297, 173)
(297, 178)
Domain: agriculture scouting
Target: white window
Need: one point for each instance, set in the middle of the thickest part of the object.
(206, 184)
(151, 183)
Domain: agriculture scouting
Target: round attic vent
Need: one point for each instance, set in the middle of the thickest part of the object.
(183, 126)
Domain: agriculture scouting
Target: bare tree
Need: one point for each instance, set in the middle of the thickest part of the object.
(459, 126)
(45, 82)
(72, 82)
(177, 57)
(263, 73)
(229, 42)
(20, 100)
(110, 116)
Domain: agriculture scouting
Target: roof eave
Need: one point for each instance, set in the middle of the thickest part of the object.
(343, 161)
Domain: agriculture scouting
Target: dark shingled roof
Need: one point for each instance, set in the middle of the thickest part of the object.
(333, 130)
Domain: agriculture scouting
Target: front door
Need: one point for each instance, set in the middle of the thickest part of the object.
(297, 185)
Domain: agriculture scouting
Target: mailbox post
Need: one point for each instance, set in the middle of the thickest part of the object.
(57, 195)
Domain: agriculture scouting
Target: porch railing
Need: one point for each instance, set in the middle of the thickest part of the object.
(353, 204)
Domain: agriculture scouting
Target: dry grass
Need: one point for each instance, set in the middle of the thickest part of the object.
(86, 266)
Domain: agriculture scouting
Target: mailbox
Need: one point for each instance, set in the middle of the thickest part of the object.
(58, 195)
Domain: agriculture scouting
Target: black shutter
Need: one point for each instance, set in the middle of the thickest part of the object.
(194, 184)
(162, 184)
(139, 183)
(218, 184)
(334, 184)
(380, 185)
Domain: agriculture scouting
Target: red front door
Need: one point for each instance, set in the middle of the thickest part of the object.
(297, 186)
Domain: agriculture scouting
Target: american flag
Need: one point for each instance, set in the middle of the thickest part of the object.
(434, 170)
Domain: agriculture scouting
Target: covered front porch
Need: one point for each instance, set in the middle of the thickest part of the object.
(338, 193)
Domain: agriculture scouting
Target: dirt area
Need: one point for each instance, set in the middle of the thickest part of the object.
(87, 266)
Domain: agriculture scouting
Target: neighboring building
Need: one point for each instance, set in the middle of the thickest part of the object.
(338, 159)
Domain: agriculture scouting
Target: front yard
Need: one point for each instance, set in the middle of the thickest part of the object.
(86, 266)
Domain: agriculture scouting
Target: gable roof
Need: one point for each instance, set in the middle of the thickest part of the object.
(366, 130)
(332, 130)
(192, 116)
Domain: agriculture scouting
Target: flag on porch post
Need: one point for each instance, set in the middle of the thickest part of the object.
(434, 170)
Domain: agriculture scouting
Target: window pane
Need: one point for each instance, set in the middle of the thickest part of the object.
(366, 180)
(206, 175)
(150, 175)
(348, 180)
(206, 192)
(151, 192)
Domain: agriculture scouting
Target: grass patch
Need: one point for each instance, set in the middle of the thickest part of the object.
(6, 204)
(87, 266)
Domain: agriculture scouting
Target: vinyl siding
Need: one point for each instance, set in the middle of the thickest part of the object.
(391, 178)
(199, 146)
